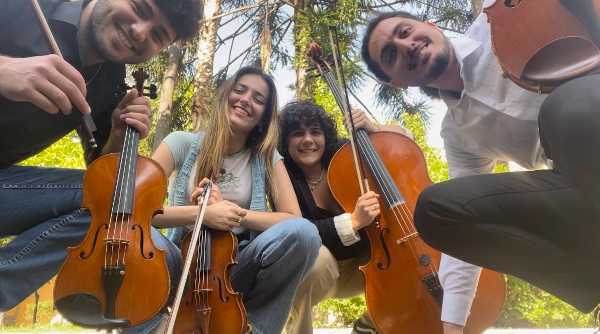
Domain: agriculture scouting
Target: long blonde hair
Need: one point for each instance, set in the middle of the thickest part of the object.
(262, 140)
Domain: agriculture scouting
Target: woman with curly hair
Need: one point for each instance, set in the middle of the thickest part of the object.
(308, 141)
(237, 150)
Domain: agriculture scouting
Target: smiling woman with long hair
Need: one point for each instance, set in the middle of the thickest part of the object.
(238, 152)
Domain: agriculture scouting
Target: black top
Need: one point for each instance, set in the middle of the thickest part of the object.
(25, 130)
(323, 219)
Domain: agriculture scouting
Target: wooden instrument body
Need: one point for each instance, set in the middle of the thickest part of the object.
(540, 44)
(145, 285)
(215, 308)
(397, 299)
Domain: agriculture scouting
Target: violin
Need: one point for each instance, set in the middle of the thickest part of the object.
(541, 44)
(402, 288)
(205, 302)
(105, 281)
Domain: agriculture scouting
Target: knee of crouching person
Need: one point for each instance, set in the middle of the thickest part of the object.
(305, 237)
(426, 219)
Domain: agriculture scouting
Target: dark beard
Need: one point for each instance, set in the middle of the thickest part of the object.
(439, 64)
(95, 30)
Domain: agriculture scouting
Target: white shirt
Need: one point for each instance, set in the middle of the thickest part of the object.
(494, 119)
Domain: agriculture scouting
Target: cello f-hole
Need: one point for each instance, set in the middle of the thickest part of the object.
(384, 265)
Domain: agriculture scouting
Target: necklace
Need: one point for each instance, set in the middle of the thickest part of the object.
(312, 184)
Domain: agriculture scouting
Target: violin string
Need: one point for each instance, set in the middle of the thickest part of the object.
(198, 272)
(111, 230)
(125, 218)
(203, 272)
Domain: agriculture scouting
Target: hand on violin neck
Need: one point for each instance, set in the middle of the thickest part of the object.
(366, 210)
(215, 192)
(48, 82)
(133, 110)
(361, 121)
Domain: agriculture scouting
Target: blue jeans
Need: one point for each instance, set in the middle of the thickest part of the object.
(270, 268)
(41, 207)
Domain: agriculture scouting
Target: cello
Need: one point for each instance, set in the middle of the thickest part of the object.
(105, 280)
(540, 46)
(402, 289)
(205, 302)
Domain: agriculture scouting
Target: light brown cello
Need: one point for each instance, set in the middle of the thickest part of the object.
(116, 277)
(402, 288)
(541, 44)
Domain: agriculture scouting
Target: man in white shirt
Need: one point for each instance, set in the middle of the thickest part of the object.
(528, 224)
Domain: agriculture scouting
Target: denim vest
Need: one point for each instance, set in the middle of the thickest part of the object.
(178, 190)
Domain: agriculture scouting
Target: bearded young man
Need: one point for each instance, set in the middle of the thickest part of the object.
(42, 98)
(539, 225)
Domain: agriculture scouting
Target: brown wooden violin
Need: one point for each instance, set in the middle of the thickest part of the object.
(402, 288)
(205, 302)
(116, 277)
(541, 44)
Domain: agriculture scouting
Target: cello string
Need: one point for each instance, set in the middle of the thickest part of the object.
(336, 92)
(377, 174)
(378, 169)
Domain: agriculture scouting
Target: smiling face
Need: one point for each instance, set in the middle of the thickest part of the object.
(306, 145)
(247, 102)
(129, 31)
(410, 52)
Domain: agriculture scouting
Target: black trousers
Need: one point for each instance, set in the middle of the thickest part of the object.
(541, 226)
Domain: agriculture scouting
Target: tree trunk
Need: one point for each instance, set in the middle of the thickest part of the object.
(302, 31)
(265, 43)
(164, 116)
(207, 42)
(476, 6)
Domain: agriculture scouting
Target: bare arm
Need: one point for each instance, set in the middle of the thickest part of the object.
(173, 215)
(284, 201)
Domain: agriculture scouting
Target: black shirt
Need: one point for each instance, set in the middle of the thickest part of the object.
(25, 130)
(323, 219)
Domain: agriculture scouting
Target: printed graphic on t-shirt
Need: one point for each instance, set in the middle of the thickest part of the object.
(227, 181)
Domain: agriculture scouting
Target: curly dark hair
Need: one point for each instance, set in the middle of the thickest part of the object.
(371, 64)
(296, 114)
(183, 15)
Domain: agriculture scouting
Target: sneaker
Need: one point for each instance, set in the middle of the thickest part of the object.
(361, 327)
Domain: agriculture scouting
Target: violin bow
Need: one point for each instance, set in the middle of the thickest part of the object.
(188, 259)
(87, 121)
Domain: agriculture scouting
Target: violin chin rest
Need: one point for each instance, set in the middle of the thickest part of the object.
(86, 311)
